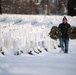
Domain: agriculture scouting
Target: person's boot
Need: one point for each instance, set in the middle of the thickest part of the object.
(59, 46)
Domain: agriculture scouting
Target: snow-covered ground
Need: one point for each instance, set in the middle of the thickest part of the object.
(49, 64)
(30, 33)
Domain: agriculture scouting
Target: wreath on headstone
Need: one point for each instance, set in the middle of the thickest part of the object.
(72, 33)
(55, 33)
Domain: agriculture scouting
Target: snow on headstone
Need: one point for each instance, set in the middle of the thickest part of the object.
(48, 43)
(1, 41)
(6, 52)
(15, 46)
(8, 43)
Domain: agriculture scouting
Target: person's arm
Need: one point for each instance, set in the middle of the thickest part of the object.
(71, 29)
(69, 26)
(59, 26)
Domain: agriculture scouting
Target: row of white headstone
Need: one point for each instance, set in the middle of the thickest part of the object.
(30, 36)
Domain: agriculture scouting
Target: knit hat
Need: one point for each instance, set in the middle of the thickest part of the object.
(64, 18)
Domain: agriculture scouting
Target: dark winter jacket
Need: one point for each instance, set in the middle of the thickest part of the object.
(64, 29)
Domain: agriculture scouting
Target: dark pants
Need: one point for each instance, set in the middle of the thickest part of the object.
(64, 44)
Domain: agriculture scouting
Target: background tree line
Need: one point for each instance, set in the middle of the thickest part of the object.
(44, 7)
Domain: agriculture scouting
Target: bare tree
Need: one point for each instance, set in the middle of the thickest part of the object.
(0, 8)
(48, 9)
(72, 7)
(44, 4)
(31, 6)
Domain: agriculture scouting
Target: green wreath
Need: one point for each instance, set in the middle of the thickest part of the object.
(72, 33)
(55, 33)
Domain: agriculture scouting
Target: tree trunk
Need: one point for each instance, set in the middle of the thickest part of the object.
(72, 7)
(0, 8)
(31, 6)
(48, 8)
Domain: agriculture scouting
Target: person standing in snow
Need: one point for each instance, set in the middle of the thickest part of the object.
(64, 39)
